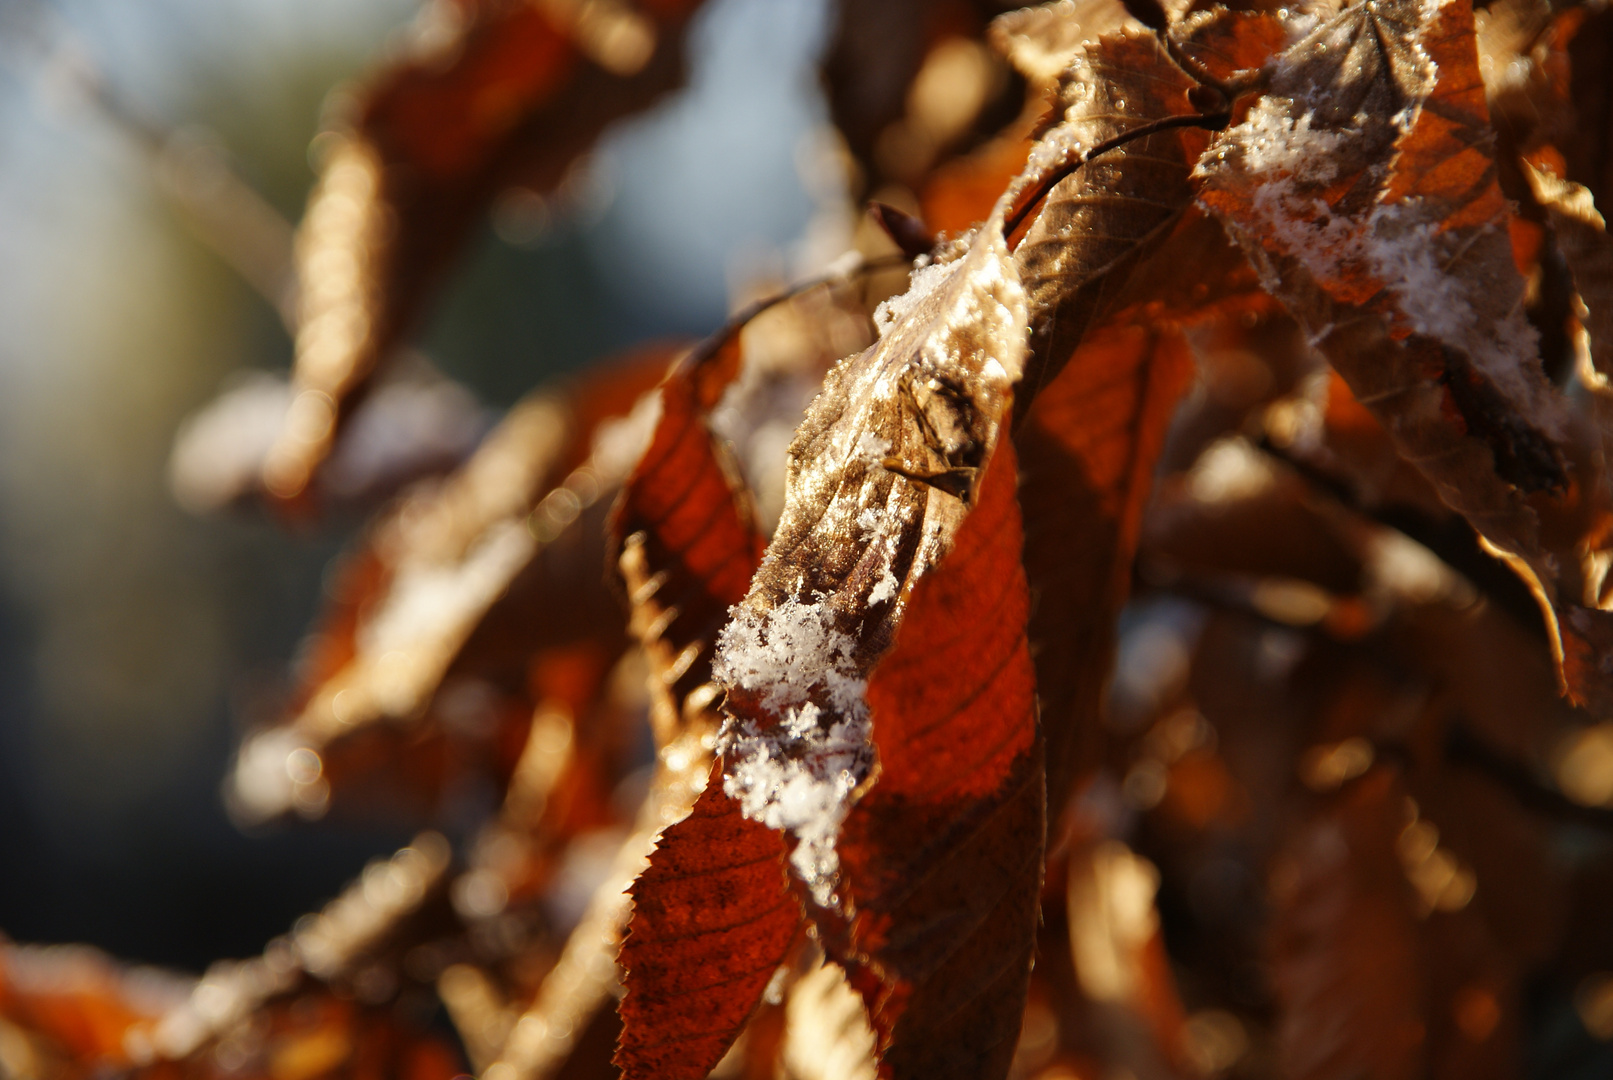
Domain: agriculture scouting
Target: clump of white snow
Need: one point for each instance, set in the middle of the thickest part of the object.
(799, 773)
(872, 448)
(1287, 153)
(1274, 140)
(924, 281)
(885, 588)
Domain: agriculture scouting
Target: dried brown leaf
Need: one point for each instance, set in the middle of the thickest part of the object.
(1363, 186)
(517, 93)
(1098, 222)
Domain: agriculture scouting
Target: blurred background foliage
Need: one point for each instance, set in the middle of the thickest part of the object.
(136, 641)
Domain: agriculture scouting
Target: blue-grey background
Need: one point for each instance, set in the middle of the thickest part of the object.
(135, 639)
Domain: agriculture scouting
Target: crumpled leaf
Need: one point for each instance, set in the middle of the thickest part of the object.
(1363, 187)
(1355, 229)
(712, 917)
(512, 94)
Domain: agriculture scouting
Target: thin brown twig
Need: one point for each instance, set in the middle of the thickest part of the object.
(1045, 186)
(709, 346)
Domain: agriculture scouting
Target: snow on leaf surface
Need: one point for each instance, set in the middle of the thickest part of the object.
(795, 654)
(1364, 188)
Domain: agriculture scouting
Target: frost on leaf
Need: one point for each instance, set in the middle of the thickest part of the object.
(881, 472)
(1363, 186)
(799, 775)
(713, 916)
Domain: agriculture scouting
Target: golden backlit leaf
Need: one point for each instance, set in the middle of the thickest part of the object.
(514, 96)
(1582, 235)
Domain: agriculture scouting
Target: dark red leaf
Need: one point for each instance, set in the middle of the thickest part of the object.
(942, 859)
(713, 918)
(1089, 447)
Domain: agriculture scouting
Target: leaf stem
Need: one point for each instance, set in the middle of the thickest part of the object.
(713, 343)
(1204, 121)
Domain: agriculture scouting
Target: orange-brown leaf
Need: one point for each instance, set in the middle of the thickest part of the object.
(1089, 446)
(942, 859)
(520, 91)
(1409, 227)
(685, 533)
(713, 918)
(712, 915)
(80, 1002)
